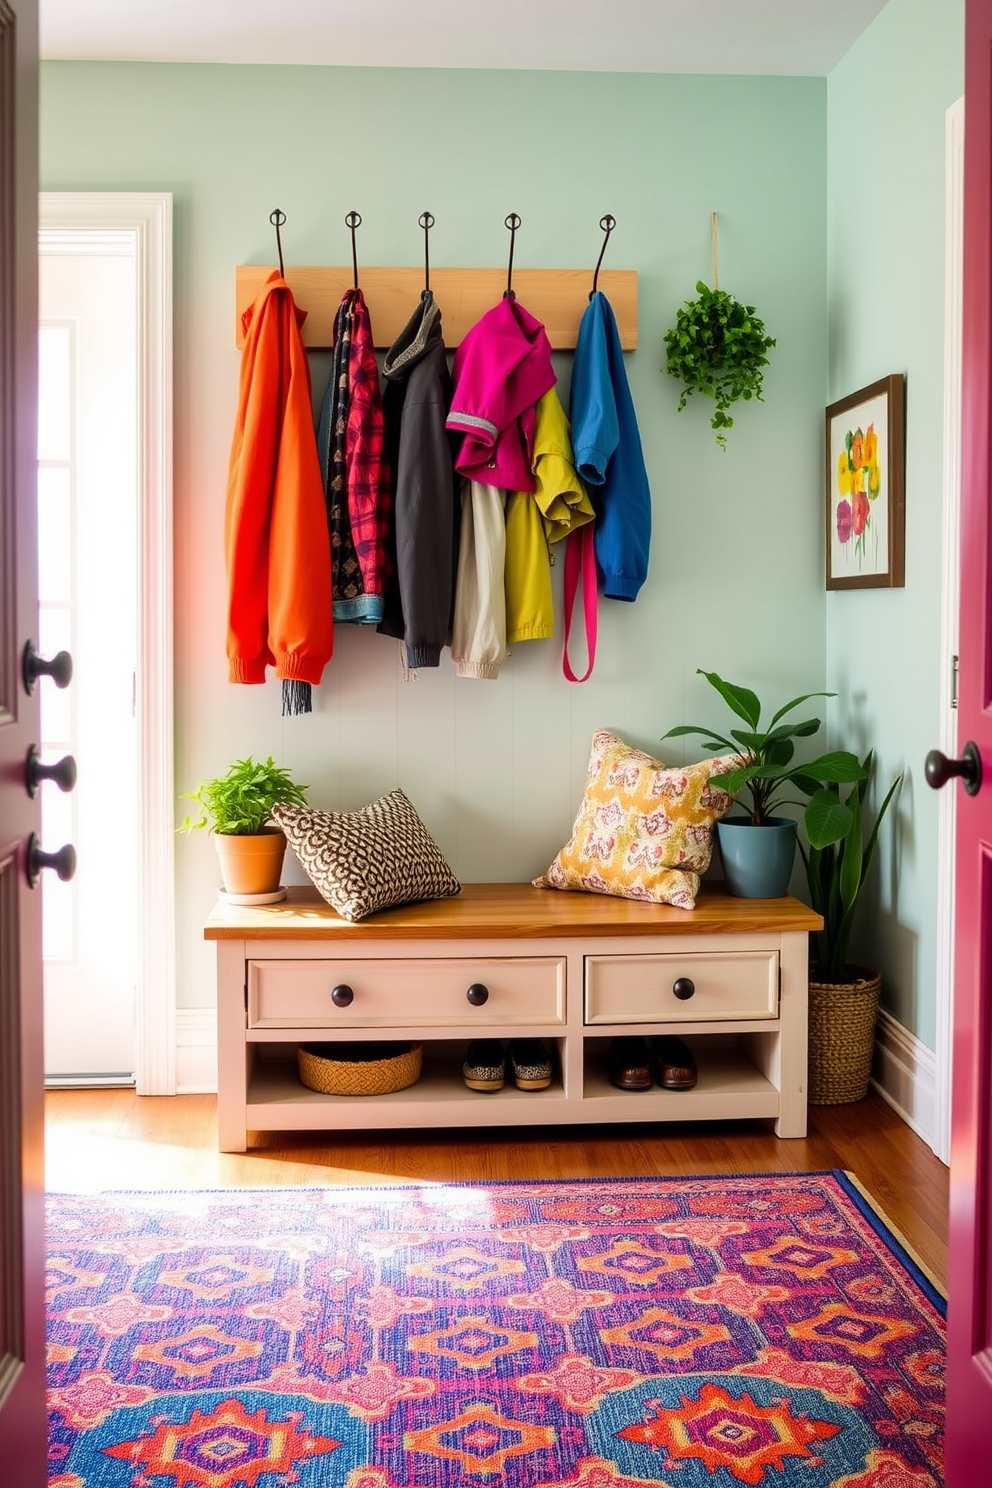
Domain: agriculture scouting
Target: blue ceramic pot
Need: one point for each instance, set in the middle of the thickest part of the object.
(757, 861)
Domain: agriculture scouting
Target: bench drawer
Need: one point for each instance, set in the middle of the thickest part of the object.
(406, 993)
(694, 988)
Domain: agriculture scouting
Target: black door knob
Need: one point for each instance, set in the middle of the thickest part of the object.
(63, 861)
(939, 769)
(478, 994)
(63, 773)
(34, 666)
(342, 996)
(684, 988)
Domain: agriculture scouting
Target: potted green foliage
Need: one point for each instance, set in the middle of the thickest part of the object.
(236, 807)
(843, 996)
(718, 347)
(758, 846)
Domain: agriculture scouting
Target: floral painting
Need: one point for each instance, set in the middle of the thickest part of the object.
(865, 480)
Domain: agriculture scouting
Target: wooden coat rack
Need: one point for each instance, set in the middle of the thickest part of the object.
(557, 297)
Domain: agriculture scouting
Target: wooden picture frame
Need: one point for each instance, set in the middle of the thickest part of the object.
(866, 487)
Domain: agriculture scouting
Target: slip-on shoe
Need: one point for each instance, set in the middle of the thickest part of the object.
(674, 1063)
(530, 1064)
(630, 1063)
(484, 1066)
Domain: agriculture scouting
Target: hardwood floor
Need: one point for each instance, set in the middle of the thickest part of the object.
(98, 1139)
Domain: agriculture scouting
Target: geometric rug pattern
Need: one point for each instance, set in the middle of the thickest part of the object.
(760, 1330)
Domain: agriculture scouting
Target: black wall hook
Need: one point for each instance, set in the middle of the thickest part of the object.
(607, 223)
(426, 220)
(278, 218)
(353, 221)
(512, 222)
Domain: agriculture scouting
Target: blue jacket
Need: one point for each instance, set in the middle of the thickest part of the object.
(608, 457)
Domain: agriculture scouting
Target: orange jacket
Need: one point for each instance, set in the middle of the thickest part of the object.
(275, 527)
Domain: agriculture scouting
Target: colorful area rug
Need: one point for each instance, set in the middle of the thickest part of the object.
(685, 1331)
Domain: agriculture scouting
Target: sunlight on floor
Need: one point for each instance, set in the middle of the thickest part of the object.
(100, 1157)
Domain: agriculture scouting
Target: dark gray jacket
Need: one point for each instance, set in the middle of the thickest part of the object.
(416, 398)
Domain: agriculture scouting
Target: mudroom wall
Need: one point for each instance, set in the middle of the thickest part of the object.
(735, 583)
(887, 103)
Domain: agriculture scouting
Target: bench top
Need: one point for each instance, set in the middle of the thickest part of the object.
(510, 911)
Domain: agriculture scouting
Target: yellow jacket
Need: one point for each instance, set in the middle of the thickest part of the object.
(530, 613)
(563, 500)
(560, 504)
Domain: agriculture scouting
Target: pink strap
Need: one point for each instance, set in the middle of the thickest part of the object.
(580, 561)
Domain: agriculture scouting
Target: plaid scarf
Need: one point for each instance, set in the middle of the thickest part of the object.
(354, 468)
(346, 579)
(370, 493)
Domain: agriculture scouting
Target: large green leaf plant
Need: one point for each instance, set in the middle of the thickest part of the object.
(769, 776)
(837, 869)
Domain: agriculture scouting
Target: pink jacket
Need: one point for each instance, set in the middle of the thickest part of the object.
(500, 370)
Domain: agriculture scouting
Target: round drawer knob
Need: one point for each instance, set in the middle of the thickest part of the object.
(684, 988)
(342, 996)
(477, 994)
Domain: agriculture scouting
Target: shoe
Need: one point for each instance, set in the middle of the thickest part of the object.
(484, 1067)
(630, 1063)
(674, 1063)
(530, 1063)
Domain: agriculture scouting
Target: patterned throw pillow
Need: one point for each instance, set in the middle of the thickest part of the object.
(369, 859)
(644, 830)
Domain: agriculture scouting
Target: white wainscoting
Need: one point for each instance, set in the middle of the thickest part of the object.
(196, 1051)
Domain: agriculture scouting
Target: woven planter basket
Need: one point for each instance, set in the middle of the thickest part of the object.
(359, 1069)
(842, 1019)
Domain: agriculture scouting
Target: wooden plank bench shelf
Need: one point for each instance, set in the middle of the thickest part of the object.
(574, 970)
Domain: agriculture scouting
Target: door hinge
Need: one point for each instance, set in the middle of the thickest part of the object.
(954, 681)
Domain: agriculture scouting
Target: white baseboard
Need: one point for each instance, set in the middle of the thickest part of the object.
(196, 1051)
(904, 1073)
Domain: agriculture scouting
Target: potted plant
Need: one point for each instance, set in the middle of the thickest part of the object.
(843, 996)
(236, 807)
(718, 347)
(758, 847)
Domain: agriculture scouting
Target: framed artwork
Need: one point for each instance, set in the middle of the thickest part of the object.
(866, 487)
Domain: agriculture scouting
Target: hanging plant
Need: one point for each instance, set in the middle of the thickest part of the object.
(718, 347)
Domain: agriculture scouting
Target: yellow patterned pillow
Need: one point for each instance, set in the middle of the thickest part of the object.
(644, 829)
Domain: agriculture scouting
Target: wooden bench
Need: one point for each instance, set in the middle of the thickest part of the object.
(573, 970)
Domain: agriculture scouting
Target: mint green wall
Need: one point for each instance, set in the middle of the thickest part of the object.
(496, 769)
(886, 106)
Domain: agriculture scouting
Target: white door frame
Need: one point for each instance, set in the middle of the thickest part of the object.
(940, 1139)
(66, 217)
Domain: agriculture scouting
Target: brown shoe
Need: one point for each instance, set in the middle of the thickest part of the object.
(630, 1063)
(675, 1066)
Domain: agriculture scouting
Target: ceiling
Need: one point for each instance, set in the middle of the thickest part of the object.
(784, 37)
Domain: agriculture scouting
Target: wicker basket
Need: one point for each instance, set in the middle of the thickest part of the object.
(842, 1019)
(359, 1069)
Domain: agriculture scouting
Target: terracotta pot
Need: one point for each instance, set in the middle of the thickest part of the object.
(842, 1019)
(251, 865)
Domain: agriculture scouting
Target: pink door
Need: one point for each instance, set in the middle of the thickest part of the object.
(969, 1382)
(22, 1319)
